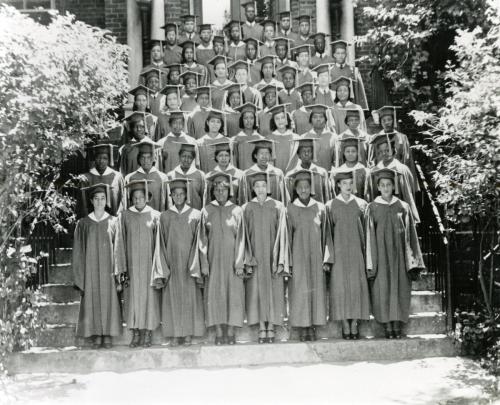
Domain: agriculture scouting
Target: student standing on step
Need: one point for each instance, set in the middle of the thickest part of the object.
(265, 223)
(214, 128)
(222, 257)
(102, 172)
(282, 134)
(310, 257)
(249, 132)
(136, 259)
(92, 265)
(393, 256)
(182, 305)
(349, 294)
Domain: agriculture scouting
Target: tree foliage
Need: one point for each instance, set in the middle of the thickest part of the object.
(466, 130)
(58, 86)
(409, 42)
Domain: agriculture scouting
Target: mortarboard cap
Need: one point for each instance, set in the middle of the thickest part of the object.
(268, 22)
(214, 113)
(278, 109)
(342, 174)
(141, 89)
(317, 108)
(218, 39)
(170, 27)
(135, 116)
(318, 34)
(233, 23)
(252, 178)
(233, 88)
(308, 86)
(287, 68)
(283, 14)
(146, 145)
(302, 174)
(177, 114)
(219, 59)
(205, 27)
(339, 44)
(174, 67)
(89, 192)
(178, 183)
(223, 145)
(247, 107)
(171, 88)
(248, 4)
(252, 40)
(189, 44)
(103, 148)
(188, 17)
(269, 88)
(342, 81)
(135, 185)
(324, 67)
(304, 17)
(386, 173)
(304, 48)
(203, 90)
(283, 41)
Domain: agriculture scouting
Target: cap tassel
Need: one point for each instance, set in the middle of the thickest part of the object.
(273, 151)
(395, 123)
(315, 151)
(354, 182)
(388, 143)
(256, 119)
(147, 190)
(225, 125)
(313, 187)
(231, 191)
(196, 156)
(268, 182)
(188, 192)
(111, 156)
(231, 152)
(168, 192)
(396, 183)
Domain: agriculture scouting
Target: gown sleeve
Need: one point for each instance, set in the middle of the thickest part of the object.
(327, 240)
(239, 245)
(161, 272)
(414, 259)
(194, 253)
(203, 243)
(371, 241)
(78, 260)
(120, 246)
(280, 253)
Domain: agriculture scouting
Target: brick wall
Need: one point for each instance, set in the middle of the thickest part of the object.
(89, 11)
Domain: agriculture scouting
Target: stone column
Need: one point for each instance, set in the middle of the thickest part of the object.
(157, 20)
(134, 41)
(347, 28)
(323, 21)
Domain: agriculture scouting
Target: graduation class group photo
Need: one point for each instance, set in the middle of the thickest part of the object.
(247, 188)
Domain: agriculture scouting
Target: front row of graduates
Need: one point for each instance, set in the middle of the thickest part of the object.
(186, 269)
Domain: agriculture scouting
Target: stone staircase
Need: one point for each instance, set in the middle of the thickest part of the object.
(57, 348)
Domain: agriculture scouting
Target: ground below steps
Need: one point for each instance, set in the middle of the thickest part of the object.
(123, 359)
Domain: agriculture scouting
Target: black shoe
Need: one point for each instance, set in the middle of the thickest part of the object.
(97, 342)
(354, 336)
(389, 334)
(147, 339)
(346, 336)
(136, 337)
(397, 334)
(262, 336)
(270, 336)
(106, 342)
(312, 334)
(219, 340)
(231, 340)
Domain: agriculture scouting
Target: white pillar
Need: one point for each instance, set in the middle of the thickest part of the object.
(157, 20)
(134, 41)
(323, 21)
(347, 28)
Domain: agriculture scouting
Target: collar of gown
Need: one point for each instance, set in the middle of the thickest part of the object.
(287, 132)
(256, 200)
(201, 46)
(250, 24)
(171, 135)
(355, 167)
(298, 203)
(153, 170)
(392, 165)
(191, 170)
(380, 200)
(216, 203)
(348, 103)
(218, 136)
(93, 217)
(108, 170)
(147, 208)
(229, 167)
(340, 198)
(184, 209)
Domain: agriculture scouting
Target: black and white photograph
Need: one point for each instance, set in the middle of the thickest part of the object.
(249, 202)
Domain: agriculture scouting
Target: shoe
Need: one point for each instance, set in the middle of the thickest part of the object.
(147, 339)
(389, 334)
(270, 336)
(262, 336)
(231, 340)
(174, 342)
(187, 341)
(136, 337)
(354, 336)
(219, 340)
(346, 336)
(397, 334)
(106, 342)
(97, 342)
(312, 334)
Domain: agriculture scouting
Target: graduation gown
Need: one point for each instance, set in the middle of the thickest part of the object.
(234, 193)
(116, 183)
(218, 94)
(268, 48)
(156, 103)
(170, 146)
(308, 234)
(325, 97)
(406, 185)
(364, 185)
(136, 253)
(264, 119)
(222, 252)
(358, 87)
(325, 149)
(188, 103)
(283, 148)
(322, 189)
(263, 83)
(254, 68)
(188, 37)
(305, 76)
(128, 158)
(339, 116)
(156, 188)
(276, 184)
(266, 241)
(349, 294)
(232, 122)
(172, 55)
(363, 149)
(300, 118)
(181, 304)
(93, 270)
(207, 151)
(198, 68)
(251, 95)
(243, 150)
(237, 51)
(252, 30)
(392, 249)
(204, 54)
(292, 97)
(151, 121)
(320, 59)
(196, 185)
(196, 122)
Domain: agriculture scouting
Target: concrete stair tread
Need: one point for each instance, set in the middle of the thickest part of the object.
(72, 360)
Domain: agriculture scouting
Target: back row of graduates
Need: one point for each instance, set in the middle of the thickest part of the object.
(242, 256)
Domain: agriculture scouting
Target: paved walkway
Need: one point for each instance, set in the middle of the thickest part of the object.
(428, 381)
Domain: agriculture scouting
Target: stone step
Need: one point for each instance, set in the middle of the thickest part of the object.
(61, 273)
(63, 335)
(60, 293)
(122, 359)
(63, 255)
(57, 312)
(426, 282)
